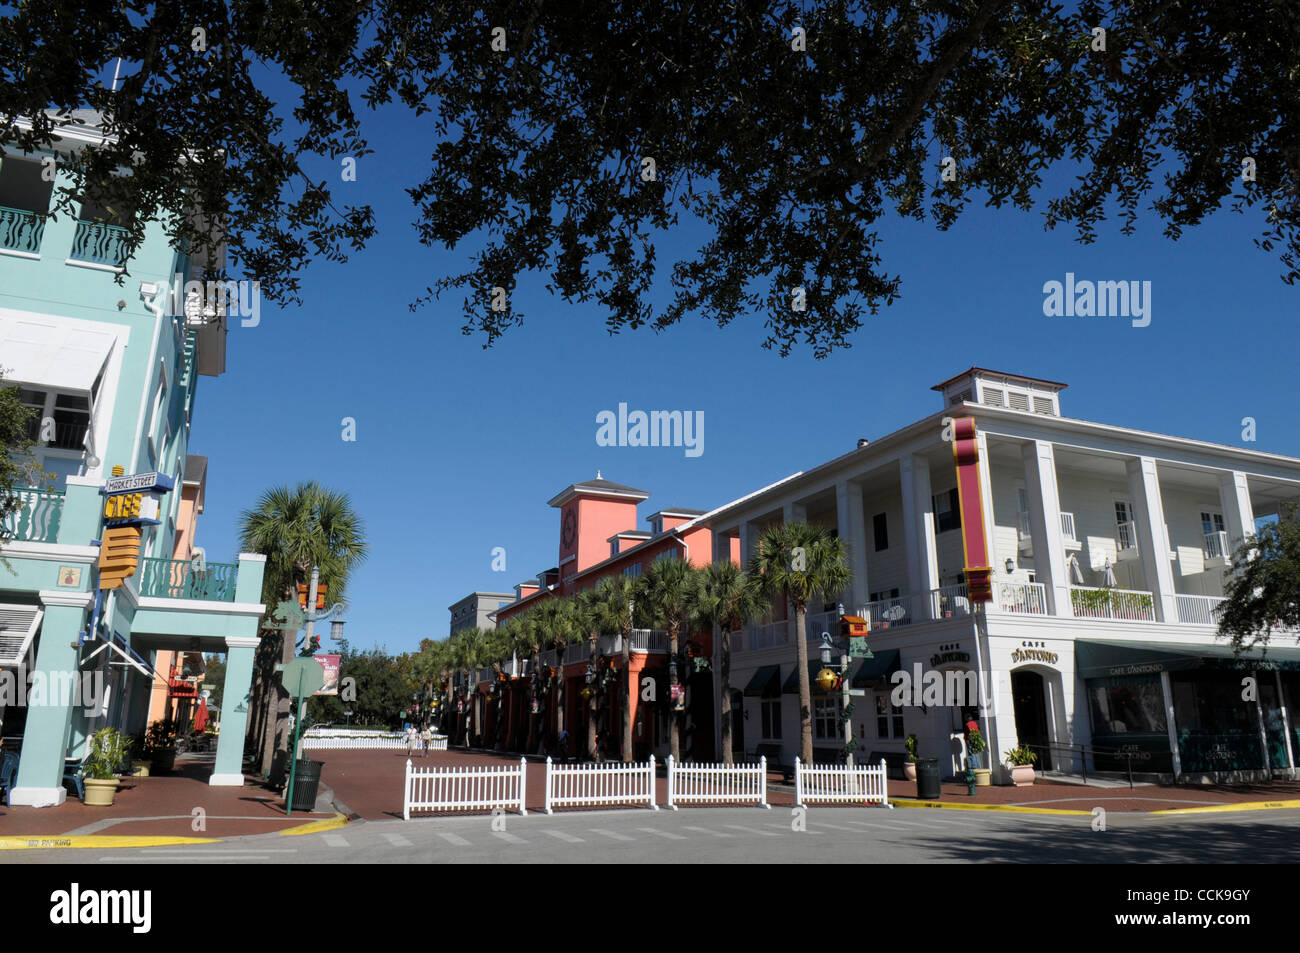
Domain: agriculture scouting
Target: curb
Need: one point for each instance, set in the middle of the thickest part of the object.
(100, 840)
(1231, 808)
(316, 827)
(1008, 808)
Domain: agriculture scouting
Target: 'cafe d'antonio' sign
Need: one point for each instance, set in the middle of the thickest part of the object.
(1033, 655)
(947, 658)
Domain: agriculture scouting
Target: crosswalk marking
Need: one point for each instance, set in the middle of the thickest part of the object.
(397, 840)
(455, 840)
(610, 834)
(508, 837)
(567, 838)
(705, 830)
(664, 834)
(750, 830)
(336, 840)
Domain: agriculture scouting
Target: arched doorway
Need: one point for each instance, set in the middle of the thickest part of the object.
(1029, 694)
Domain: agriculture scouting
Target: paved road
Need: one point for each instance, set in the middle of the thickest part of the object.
(750, 835)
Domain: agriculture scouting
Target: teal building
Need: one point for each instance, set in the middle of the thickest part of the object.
(111, 371)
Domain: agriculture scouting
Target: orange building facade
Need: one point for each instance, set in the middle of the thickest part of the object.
(598, 539)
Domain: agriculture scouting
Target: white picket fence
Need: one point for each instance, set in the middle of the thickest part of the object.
(840, 784)
(471, 788)
(691, 783)
(392, 741)
(600, 785)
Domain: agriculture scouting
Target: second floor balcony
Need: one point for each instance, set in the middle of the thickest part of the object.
(21, 231)
(99, 244)
(36, 517)
(180, 579)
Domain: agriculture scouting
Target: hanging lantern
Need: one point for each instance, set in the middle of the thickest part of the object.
(827, 680)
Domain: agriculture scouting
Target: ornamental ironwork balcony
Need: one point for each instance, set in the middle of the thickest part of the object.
(99, 244)
(178, 579)
(36, 518)
(21, 230)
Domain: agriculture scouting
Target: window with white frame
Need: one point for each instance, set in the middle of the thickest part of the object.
(889, 718)
(947, 511)
(770, 710)
(826, 717)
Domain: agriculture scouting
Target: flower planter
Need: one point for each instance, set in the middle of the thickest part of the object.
(909, 770)
(1022, 775)
(983, 777)
(99, 793)
(140, 769)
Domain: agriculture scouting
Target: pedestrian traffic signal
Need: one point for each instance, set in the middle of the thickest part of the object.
(119, 555)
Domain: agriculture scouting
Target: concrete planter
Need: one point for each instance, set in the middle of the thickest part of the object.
(983, 777)
(909, 770)
(1022, 775)
(99, 793)
(140, 769)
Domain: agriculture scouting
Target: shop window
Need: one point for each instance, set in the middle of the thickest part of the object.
(1126, 703)
(889, 719)
(771, 717)
(826, 718)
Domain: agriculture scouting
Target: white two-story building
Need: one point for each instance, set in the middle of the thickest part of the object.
(1109, 548)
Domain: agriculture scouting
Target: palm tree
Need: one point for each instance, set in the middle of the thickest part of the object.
(669, 586)
(619, 596)
(538, 625)
(568, 627)
(468, 652)
(798, 561)
(590, 619)
(308, 526)
(729, 598)
(499, 645)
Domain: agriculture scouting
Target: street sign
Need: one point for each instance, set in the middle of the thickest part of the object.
(857, 691)
(302, 676)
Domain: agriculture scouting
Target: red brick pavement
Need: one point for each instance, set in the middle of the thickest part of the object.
(164, 806)
(370, 784)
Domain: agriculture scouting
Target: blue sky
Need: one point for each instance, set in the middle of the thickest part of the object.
(459, 448)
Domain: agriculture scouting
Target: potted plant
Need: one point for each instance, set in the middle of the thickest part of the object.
(159, 747)
(909, 762)
(107, 749)
(1022, 761)
(976, 746)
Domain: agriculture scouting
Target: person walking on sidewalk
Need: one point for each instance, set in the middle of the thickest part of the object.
(410, 740)
(426, 738)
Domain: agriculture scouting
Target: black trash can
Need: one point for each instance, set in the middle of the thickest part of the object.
(306, 779)
(927, 779)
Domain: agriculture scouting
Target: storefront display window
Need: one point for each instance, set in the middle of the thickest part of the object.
(1128, 724)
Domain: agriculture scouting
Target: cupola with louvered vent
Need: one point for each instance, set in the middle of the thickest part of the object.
(998, 389)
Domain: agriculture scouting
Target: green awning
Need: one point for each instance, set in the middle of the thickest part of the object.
(764, 683)
(872, 672)
(1105, 659)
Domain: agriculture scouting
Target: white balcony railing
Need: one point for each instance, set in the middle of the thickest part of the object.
(817, 623)
(769, 635)
(1027, 597)
(949, 602)
(651, 640)
(1124, 604)
(1199, 610)
(1216, 546)
(578, 652)
(886, 612)
(1126, 538)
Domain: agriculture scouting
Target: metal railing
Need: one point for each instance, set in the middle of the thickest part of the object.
(769, 635)
(1199, 610)
(949, 601)
(99, 243)
(1027, 597)
(649, 640)
(1082, 753)
(816, 624)
(178, 579)
(1216, 545)
(886, 612)
(21, 230)
(36, 519)
(577, 652)
(1130, 605)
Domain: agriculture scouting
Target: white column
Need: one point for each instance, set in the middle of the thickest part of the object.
(1167, 689)
(853, 530)
(1045, 525)
(918, 532)
(1238, 514)
(1153, 544)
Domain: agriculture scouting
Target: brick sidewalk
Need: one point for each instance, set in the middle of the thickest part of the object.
(370, 784)
(163, 806)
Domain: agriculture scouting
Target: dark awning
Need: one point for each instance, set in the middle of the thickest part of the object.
(1103, 659)
(872, 672)
(764, 683)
